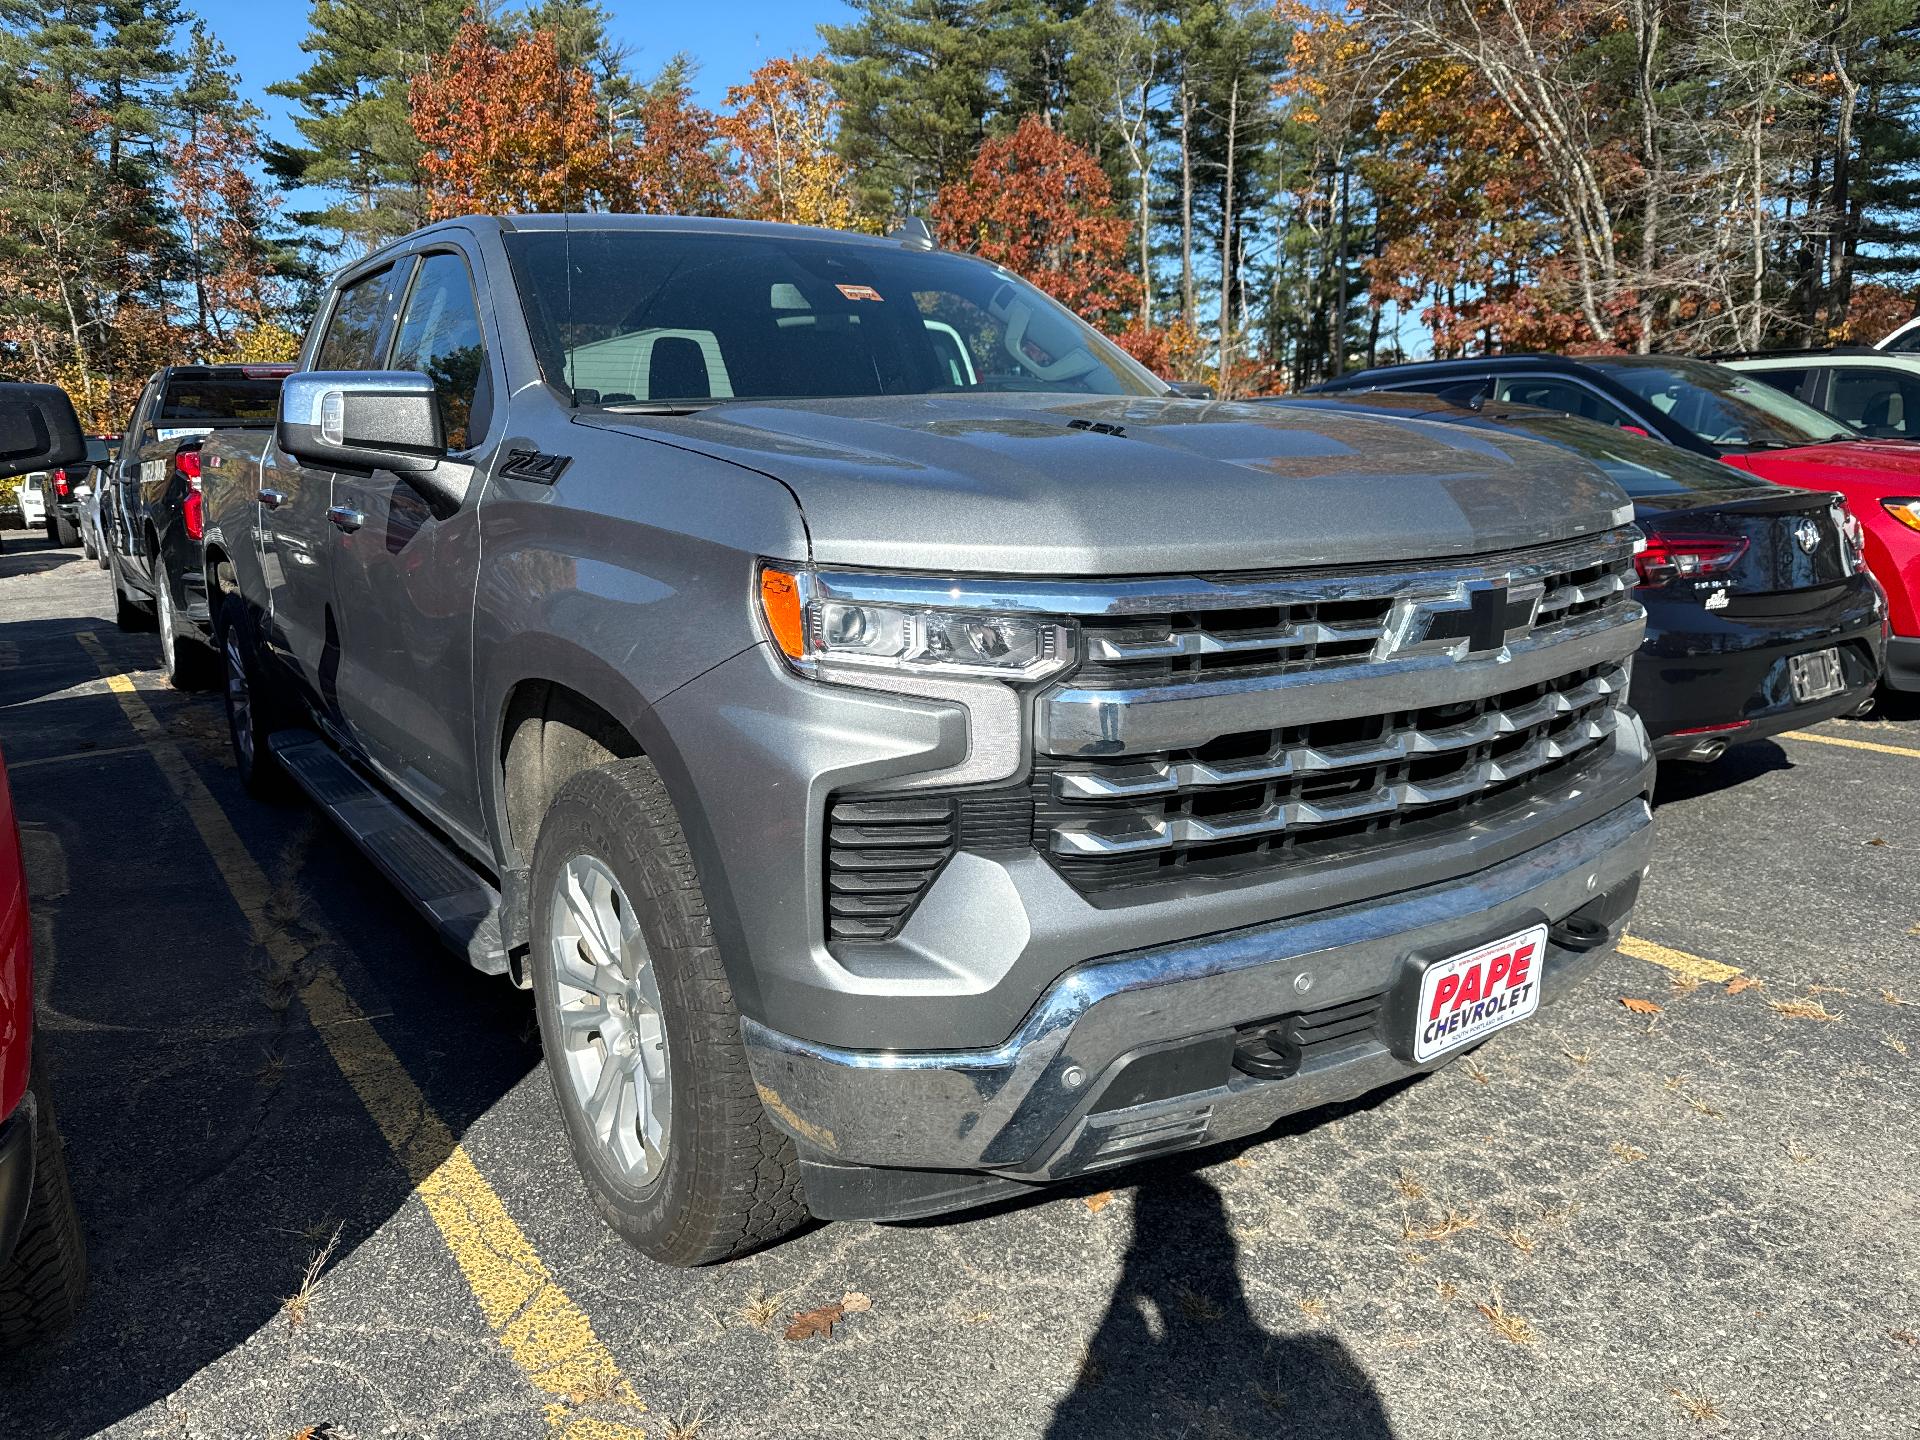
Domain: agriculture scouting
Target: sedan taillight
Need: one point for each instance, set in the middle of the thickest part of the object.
(1687, 557)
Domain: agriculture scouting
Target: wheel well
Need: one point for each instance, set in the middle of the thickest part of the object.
(549, 735)
(220, 580)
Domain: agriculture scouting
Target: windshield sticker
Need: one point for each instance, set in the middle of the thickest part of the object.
(859, 292)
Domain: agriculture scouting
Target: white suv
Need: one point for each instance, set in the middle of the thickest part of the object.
(1876, 391)
(33, 500)
(1904, 338)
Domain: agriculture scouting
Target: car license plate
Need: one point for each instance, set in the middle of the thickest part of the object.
(1816, 676)
(1469, 996)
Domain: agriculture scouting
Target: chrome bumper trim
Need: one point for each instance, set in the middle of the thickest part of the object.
(1021, 1108)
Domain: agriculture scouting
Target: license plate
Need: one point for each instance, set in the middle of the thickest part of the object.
(1816, 676)
(1471, 995)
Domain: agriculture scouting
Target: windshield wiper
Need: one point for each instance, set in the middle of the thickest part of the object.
(662, 407)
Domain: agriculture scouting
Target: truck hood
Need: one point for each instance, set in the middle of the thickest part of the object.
(1087, 485)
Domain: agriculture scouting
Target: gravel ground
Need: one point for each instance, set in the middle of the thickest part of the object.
(1693, 1220)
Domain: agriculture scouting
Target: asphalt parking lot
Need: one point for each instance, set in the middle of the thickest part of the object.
(325, 1189)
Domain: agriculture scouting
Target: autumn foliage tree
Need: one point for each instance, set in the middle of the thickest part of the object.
(511, 128)
(781, 125)
(1040, 205)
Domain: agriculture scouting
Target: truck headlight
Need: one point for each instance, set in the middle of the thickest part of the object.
(824, 623)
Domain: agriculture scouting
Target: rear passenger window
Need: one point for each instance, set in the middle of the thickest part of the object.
(1562, 395)
(440, 337)
(355, 327)
(1885, 403)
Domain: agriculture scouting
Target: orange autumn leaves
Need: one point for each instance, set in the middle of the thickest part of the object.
(510, 127)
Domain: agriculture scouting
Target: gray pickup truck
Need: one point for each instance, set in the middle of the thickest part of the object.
(910, 753)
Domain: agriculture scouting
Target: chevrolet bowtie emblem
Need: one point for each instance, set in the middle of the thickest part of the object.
(1474, 619)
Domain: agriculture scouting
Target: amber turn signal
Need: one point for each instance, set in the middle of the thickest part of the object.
(780, 603)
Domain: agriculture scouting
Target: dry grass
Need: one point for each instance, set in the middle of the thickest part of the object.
(1514, 1329)
(1701, 1107)
(1452, 1223)
(1891, 998)
(1446, 1290)
(1684, 984)
(688, 1423)
(1699, 1408)
(1313, 1307)
(1578, 1057)
(1196, 1306)
(300, 1302)
(1802, 1010)
(1475, 1071)
(1520, 1238)
(760, 1310)
(1408, 1186)
(1627, 1154)
(1795, 1152)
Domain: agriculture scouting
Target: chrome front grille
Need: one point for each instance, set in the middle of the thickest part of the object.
(1301, 623)
(1302, 792)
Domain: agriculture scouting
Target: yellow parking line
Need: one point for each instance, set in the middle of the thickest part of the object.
(1678, 961)
(1872, 745)
(549, 1337)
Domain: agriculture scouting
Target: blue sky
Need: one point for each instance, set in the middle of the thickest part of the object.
(727, 38)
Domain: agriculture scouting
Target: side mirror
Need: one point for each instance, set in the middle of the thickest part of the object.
(38, 429)
(362, 420)
(1190, 389)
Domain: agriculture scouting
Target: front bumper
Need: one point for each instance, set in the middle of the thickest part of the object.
(1698, 670)
(16, 1173)
(1133, 1055)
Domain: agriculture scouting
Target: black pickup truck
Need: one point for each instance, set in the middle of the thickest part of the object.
(151, 516)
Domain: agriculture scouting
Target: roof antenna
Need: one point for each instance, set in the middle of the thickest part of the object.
(913, 233)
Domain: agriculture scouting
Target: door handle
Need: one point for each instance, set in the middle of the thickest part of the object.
(346, 517)
(272, 499)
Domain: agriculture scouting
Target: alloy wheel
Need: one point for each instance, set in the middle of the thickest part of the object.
(239, 699)
(614, 1038)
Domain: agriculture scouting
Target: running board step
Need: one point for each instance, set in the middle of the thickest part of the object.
(456, 901)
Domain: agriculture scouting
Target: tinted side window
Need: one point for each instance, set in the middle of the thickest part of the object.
(440, 337)
(1880, 402)
(1563, 395)
(1793, 379)
(354, 328)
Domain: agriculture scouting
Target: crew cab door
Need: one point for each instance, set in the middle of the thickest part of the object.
(125, 477)
(297, 540)
(405, 564)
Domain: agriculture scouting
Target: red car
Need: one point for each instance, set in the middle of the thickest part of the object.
(42, 1266)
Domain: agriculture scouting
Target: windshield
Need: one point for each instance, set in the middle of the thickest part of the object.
(626, 317)
(1642, 468)
(1725, 408)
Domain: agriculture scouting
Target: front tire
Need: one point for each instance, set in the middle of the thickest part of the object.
(640, 1031)
(129, 614)
(42, 1284)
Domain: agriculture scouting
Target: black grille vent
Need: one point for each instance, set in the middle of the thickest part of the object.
(882, 853)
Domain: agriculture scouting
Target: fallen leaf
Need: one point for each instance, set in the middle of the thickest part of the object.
(1739, 983)
(1895, 1044)
(855, 1303)
(1876, 840)
(809, 1323)
(1639, 1006)
(1097, 1203)
(1905, 1337)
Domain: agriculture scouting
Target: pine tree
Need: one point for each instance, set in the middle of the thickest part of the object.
(359, 142)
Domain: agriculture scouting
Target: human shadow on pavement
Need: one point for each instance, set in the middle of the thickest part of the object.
(1180, 1349)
